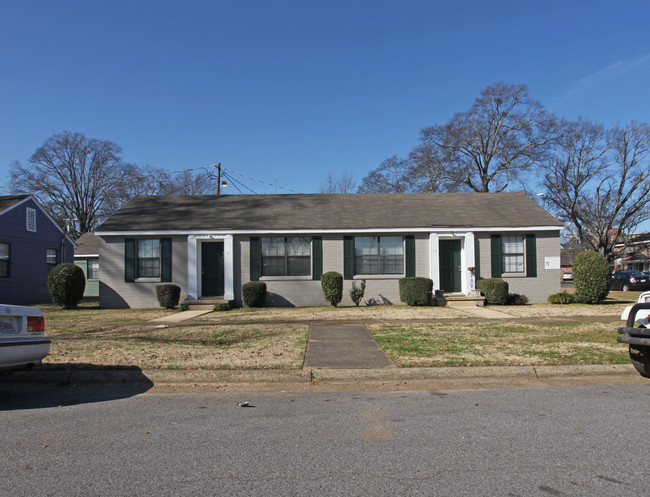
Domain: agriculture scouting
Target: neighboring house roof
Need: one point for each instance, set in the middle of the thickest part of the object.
(328, 212)
(87, 244)
(7, 201)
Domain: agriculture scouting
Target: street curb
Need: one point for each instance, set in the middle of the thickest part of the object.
(162, 381)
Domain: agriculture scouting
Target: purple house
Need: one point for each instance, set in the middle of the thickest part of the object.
(31, 243)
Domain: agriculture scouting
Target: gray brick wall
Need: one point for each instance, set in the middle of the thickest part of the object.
(536, 289)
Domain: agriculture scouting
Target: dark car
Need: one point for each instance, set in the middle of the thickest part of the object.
(630, 280)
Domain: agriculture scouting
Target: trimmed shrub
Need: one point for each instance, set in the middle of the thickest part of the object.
(592, 277)
(183, 306)
(254, 293)
(356, 292)
(415, 290)
(66, 283)
(495, 290)
(332, 284)
(168, 295)
(516, 299)
(561, 298)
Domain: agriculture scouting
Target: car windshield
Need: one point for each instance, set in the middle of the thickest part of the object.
(636, 274)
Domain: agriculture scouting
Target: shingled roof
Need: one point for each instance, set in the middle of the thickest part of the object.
(328, 212)
(7, 201)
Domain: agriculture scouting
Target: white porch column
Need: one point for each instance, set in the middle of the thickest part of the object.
(468, 261)
(228, 268)
(192, 269)
(434, 260)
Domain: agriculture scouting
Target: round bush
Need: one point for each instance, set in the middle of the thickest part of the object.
(495, 290)
(592, 277)
(254, 293)
(168, 295)
(66, 283)
(332, 284)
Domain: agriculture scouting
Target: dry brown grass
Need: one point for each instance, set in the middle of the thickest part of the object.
(192, 347)
(277, 337)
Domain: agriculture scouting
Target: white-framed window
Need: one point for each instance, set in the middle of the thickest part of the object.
(512, 252)
(51, 259)
(148, 255)
(4, 260)
(378, 254)
(286, 256)
(93, 269)
(30, 219)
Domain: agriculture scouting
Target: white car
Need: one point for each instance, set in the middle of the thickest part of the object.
(22, 337)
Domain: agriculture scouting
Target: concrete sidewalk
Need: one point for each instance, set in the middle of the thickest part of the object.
(338, 346)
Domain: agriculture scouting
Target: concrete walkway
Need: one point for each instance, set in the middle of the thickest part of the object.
(178, 317)
(336, 346)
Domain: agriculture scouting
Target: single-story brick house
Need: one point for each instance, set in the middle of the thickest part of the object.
(31, 243)
(211, 245)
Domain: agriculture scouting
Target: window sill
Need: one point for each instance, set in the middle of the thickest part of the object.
(286, 278)
(378, 276)
(147, 280)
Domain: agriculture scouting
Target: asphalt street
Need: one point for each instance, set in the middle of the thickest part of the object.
(77, 440)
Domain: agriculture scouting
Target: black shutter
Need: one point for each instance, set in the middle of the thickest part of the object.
(497, 263)
(129, 260)
(410, 255)
(165, 260)
(348, 257)
(316, 257)
(255, 258)
(531, 256)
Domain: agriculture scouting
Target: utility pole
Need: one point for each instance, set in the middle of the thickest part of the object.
(219, 178)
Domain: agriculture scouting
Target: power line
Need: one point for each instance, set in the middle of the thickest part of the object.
(259, 180)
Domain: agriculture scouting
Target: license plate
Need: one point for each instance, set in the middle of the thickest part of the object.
(8, 326)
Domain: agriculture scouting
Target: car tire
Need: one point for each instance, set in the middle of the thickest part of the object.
(640, 357)
(626, 288)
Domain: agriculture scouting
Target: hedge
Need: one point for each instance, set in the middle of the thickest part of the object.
(415, 290)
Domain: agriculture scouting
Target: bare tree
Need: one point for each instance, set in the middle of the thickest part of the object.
(73, 177)
(504, 134)
(345, 183)
(392, 176)
(599, 182)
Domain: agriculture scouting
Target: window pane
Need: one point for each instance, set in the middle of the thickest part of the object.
(366, 264)
(513, 244)
(391, 245)
(93, 269)
(513, 263)
(273, 266)
(4, 251)
(298, 246)
(365, 245)
(298, 266)
(51, 256)
(148, 248)
(513, 254)
(272, 247)
(148, 258)
(392, 264)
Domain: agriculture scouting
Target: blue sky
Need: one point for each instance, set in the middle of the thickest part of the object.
(286, 91)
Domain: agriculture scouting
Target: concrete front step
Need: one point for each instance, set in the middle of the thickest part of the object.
(206, 303)
(459, 300)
